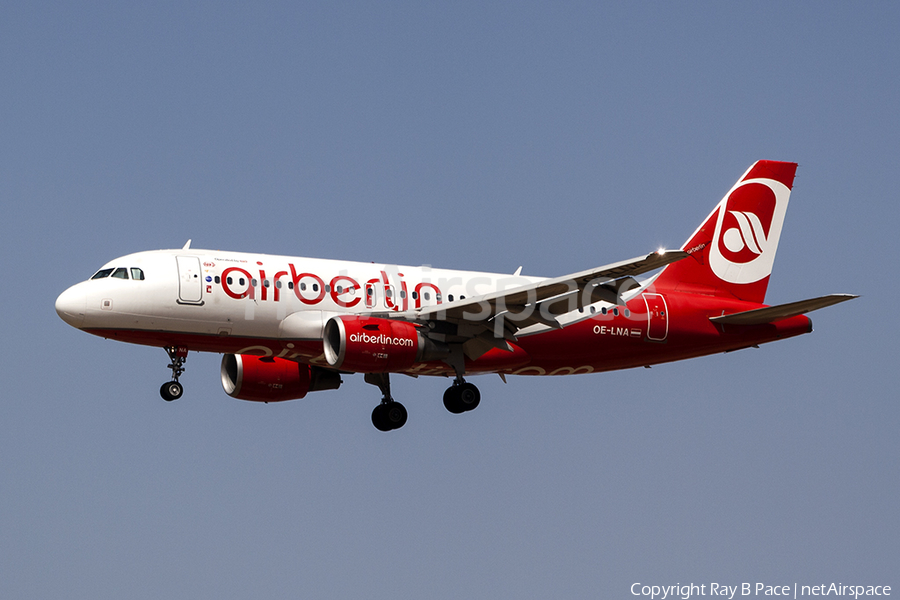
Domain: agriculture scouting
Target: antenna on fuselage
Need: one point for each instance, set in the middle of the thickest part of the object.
(187, 245)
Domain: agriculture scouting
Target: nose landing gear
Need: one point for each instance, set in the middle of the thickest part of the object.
(172, 390)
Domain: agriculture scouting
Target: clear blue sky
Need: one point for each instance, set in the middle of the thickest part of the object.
(464, 135)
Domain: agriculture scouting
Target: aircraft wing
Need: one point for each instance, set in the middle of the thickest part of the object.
(539, 302)
(771, 314)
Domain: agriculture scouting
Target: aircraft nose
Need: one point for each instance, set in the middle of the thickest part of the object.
(70, 306)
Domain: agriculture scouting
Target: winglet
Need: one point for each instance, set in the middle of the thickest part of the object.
(187, 245)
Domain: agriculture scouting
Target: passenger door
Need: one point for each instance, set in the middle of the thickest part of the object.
(190, 283)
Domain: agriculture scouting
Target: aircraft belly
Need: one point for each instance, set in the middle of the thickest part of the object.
(300, 351)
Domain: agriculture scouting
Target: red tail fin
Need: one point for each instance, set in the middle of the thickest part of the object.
(732, 252)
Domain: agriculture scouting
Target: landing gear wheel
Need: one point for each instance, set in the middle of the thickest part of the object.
(469, 396)
(452, 401)
(461, 397)
(396, 415)
(379, 418)
(171, 390)
(389, 416)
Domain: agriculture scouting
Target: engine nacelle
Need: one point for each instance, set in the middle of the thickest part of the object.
(375, 345)
(268, 379)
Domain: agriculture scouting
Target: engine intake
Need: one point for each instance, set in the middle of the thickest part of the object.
(375, 345)
(268, 379)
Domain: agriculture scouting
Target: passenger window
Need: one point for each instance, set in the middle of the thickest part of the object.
(450, 298)
(137, 274)
(102, 273)
(120, 273)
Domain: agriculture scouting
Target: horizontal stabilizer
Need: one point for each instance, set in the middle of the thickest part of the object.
(770, 314)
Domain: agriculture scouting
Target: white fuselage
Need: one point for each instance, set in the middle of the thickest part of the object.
(208, 292)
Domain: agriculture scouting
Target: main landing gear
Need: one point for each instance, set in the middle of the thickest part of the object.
(172, 390)
(389, 414)
(460, 397)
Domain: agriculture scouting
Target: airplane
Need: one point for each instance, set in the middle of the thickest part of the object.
(288, 326)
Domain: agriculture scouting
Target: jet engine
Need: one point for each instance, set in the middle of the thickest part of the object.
(375, 345)
(268, 379)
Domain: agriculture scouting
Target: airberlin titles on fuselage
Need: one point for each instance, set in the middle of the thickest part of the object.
(310, 288)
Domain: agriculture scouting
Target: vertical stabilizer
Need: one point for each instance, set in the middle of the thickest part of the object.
(732, 252)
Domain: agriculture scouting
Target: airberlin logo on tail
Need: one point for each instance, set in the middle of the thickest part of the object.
(749, 234)
(747, 230)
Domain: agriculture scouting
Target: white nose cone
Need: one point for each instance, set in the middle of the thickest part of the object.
(70, 306)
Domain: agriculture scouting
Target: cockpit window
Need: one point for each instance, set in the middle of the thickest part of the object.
(120, 273)
(102, 273)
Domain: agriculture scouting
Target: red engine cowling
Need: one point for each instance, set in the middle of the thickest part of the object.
(374, 345)
(267, 379)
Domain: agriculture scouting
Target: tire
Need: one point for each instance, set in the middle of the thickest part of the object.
(379, 418)
(396, 415)
(469, 396)
(452, 400)
(171, 390)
